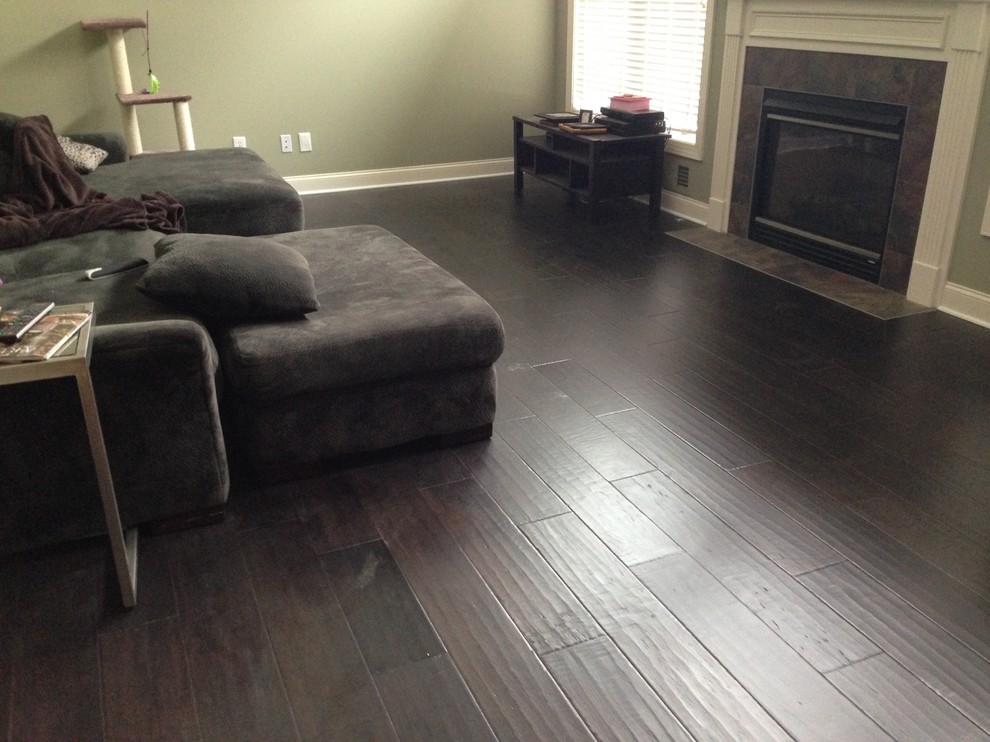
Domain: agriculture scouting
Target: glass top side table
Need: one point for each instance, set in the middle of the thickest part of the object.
(73, 360)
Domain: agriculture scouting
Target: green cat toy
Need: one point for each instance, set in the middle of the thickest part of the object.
(153, 84)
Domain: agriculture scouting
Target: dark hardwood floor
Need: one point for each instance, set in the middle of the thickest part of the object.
(710, 510)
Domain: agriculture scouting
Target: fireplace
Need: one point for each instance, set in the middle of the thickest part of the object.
(895, 97)
(927, 55)
(826, 169)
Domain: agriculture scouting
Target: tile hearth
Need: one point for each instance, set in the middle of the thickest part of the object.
(869, 303)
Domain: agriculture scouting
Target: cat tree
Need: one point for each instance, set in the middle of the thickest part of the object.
(129, 100)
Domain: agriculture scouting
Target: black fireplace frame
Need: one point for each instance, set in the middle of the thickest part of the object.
(858, 118)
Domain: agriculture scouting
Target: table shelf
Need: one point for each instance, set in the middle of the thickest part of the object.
(592, 168)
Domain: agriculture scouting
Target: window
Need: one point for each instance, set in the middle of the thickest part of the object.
(654, 48)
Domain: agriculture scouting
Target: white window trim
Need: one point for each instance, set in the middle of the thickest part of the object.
(681, 149)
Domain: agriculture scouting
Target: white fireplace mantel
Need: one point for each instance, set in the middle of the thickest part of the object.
(952, 31)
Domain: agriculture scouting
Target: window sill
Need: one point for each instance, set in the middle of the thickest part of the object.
(684, 149)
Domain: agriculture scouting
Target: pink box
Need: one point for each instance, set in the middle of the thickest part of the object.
(630, 103)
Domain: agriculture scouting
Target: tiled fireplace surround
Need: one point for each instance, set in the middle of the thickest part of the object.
(916, 84)
(930, 55)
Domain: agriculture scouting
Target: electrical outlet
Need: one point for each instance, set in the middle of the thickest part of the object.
(286, 142)
(240, 141)
(305, 142)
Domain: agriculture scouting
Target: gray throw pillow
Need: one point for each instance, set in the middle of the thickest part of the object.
(230, 278)
(84, 158)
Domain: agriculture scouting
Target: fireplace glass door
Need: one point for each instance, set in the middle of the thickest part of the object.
(825, 177)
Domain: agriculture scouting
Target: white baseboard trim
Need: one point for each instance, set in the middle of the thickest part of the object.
(967, 304)
(684, 207)
(673, 203)
(351, 181)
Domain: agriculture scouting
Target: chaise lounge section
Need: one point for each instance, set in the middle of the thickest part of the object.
(400, 350)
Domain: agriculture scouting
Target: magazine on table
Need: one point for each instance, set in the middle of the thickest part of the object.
(15, 323)
(46, 337)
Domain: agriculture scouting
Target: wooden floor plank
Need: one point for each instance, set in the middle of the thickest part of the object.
(388, 623)
(630, 534)
(509, 481)
(616, 702)
(326, 678)
(222, 628)
(428, 701)
(795, 694)
(146, 689)
(514, 690)
(911, 479)
(932, 539)
(544, 609)
(706, 434)
(331, 509)
(56, 694)
(583, 387)
(268, 504)
(692, 683)
(508, 407)
(6, 692)
(802, 620)
(768, 423)
(944, 663)
(763, 525)
(57, 600)
(791, 398)
(235, 678)
(209, 574)
(957, 609)
(901, 703)
(611, 457)
(535, 391)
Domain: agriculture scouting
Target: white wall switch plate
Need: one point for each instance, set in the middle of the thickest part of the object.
(305, 142)
(240, 141)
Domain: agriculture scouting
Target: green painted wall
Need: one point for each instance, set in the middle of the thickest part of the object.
(970, 265)
(386, 84)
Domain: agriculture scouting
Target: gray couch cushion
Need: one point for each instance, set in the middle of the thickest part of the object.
(230, 278)
(387, 312)
(224, 191)
(76, 254)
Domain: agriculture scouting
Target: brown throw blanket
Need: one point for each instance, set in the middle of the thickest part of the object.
(49, 199)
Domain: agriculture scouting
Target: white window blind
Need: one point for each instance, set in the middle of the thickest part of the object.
(642, 47)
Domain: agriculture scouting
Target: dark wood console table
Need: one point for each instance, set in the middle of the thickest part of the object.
(591, 167)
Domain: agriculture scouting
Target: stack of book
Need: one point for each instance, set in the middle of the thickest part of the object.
(36, 333)
(631, 123)
(565, 117)
(594, 128)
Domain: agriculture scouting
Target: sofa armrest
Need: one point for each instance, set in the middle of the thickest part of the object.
(172, 344)
(111, 141)
(155, 385)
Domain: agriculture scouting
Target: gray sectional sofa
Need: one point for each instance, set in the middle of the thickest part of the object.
(270, 345)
